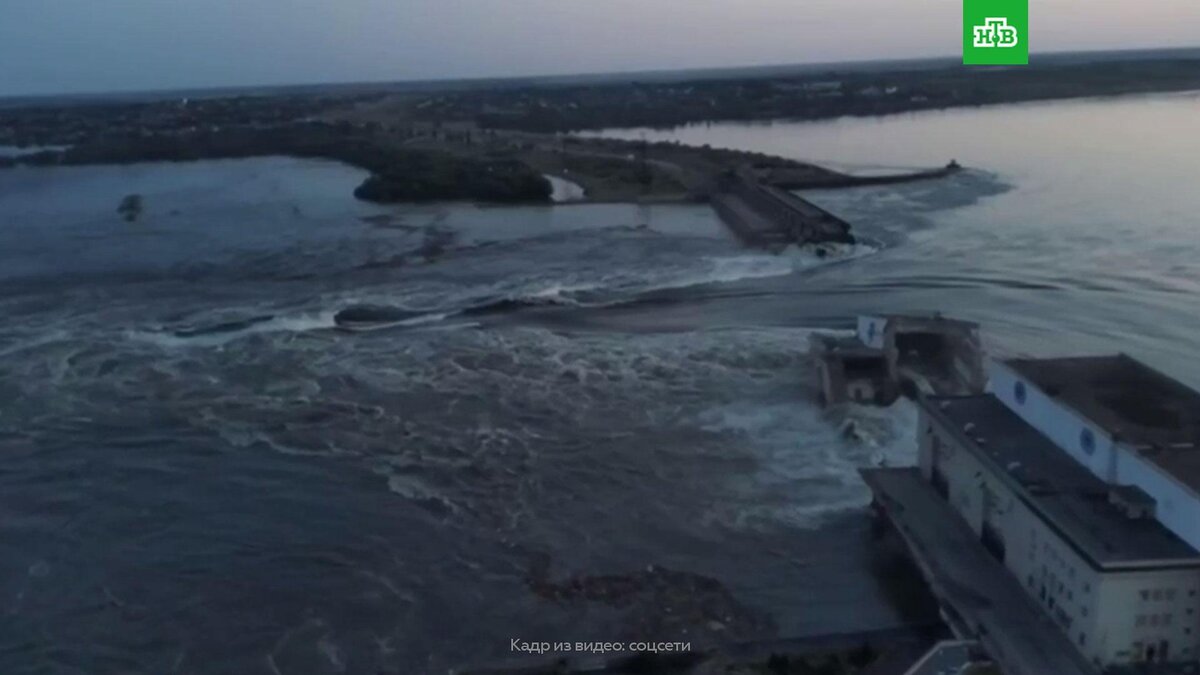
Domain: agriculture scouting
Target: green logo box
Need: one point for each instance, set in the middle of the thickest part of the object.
(995, 32)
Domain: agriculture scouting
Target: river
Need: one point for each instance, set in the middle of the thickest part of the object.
(1091, 238)
(202, 474)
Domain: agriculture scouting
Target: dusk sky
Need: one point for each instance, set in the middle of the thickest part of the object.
(59, 46)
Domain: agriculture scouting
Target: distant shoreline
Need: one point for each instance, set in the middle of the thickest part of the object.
(496, 143)
(559, 79)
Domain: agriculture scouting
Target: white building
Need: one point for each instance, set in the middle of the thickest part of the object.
(1126, 422)
(1081, 475)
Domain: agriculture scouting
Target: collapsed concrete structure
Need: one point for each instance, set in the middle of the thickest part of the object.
(896, 353)
(765, 216)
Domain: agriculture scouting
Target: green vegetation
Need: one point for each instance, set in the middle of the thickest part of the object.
(608, 177)
(398, 173)
(417, 176)
(771, 94)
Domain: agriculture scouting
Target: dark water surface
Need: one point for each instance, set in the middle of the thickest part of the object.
(202, 474)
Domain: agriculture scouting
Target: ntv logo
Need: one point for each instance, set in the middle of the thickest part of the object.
(995, 32)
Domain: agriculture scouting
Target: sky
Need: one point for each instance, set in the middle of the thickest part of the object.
(76, 46)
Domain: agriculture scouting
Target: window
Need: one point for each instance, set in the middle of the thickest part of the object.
(1170, 594)
(1166, 620)
(1141, 620)
(1082, 639)
(1019, 392)
(1158, 594)
(1087, 588)
(1145, 595)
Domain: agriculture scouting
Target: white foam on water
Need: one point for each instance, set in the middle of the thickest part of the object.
(564, 191)
(891, 431)
(415, 490)
(332, 653)
(295, 323)
(808, 466)
(58, 335)
(599, 285)
(746, 266)
(413, 322)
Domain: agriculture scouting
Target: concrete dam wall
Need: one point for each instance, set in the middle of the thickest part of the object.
(765, 216)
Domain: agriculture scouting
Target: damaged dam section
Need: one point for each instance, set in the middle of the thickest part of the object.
(759, 208)
(749, 190)
(765, 216)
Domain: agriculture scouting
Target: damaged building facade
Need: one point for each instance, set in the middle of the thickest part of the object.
(931, 354)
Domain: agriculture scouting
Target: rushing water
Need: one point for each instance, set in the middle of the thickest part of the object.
(202, 474)
(1094, 246)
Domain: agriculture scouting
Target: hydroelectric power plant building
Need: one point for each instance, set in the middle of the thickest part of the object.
(1080, 478)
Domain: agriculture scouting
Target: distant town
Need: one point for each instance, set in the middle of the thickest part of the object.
(494, 141)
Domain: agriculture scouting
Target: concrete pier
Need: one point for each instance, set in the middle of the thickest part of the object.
(790, 179)
(981, 600)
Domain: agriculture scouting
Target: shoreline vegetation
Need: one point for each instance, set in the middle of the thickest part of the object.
(397, 174)
(495, 142)
(416, 164)
(827, 95)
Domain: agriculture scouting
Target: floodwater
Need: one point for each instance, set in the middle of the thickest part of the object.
(203, 474)
(1091, 242)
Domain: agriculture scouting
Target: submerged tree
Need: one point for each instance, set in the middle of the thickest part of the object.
(130, 208)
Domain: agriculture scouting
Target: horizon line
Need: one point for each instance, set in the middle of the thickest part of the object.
(548, 78)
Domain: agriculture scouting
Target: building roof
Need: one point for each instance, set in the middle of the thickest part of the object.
(1143, 408)
(934, 317)
(843, 346)
(1072, 500)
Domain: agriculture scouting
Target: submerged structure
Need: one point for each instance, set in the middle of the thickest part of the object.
(1057, 516)
(895, 353)
(765, 216)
